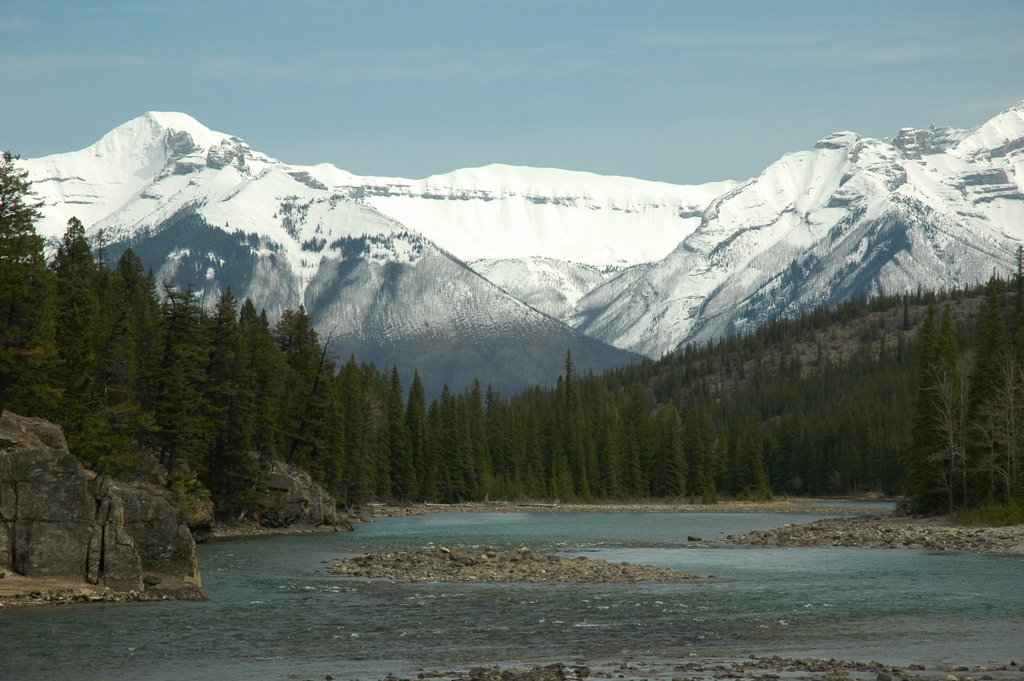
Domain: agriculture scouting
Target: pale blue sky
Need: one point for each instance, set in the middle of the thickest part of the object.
(681, 91)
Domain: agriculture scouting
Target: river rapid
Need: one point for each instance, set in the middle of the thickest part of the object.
(276, 613)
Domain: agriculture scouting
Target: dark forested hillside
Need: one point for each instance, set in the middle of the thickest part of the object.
(916, 393)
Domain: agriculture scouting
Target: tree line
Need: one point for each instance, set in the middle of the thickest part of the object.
(968, 423)
(873, 395)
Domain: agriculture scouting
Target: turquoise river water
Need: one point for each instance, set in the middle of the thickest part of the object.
(276, 613)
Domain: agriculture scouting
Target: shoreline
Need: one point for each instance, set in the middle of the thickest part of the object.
(892, 532)
(850, 525)
(19, 591)
(839, 507)
(715, 668)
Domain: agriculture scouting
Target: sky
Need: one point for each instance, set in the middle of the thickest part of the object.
(680, 91)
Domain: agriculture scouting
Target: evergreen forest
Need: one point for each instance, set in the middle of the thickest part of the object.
(919, 393)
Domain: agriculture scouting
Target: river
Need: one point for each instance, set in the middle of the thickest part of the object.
(275, 612)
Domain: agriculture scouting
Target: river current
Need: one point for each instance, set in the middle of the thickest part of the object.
(276, 613)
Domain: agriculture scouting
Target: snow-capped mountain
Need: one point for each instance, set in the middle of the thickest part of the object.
(549, 285)
(205, 210)
(509, 212)
(145, 170)
(644, 266)
(931, 208)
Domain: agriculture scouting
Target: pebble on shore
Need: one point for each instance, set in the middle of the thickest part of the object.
(891, 532)
(489, 565)
(715, 669)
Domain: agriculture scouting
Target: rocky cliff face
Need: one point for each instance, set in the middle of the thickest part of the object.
(292, 497)
(58, 519)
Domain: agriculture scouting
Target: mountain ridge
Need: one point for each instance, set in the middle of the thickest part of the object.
(852, 215)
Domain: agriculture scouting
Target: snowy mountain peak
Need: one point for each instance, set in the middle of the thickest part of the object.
(175, 121)
(153, 138)
(998, 137)
(851, 215)
(838, 140)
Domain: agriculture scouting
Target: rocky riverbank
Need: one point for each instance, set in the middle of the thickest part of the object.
(814, 507)
(97, 536)
(752, 668)
(939, 534)
(490, 565)
(18, 591)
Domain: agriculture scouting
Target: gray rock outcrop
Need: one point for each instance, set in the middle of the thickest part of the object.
(59, 520)
(292, 497)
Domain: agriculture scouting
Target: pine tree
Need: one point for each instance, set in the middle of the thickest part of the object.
(231, 470)
(27, 349)
(950, 415)
(992, 348)
(699, 446)
(479, 450)
(668, 477)
(180, 402)
(991, 405)
(403, 469)
(358, 482)
(126, 360)
(634, 416)
(308, 424)
(457, 477)
(263, 361)
(377, 443)
(416, 427)
(77, 333)
(751, 479)
(926, 495)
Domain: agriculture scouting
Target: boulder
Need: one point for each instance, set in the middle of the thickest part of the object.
(58, 519)
(292, 497)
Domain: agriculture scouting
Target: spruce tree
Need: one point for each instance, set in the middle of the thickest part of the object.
(358, 482)
(231, 470)
(181, 405)
(126, 359)
(27, 349)
(992, 348)
(416, 427)
(635, 415)
(479, 452)
(926, 493)
(262, 359)
(403, 469)
(950, 415)
(991, 401)
(310, 399)
(77, 333)
(668, 474)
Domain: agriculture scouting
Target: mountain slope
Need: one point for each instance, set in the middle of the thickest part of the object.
(207, 212)
(852, 216)
(501, 211)
(644, 266)
(549, 285)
